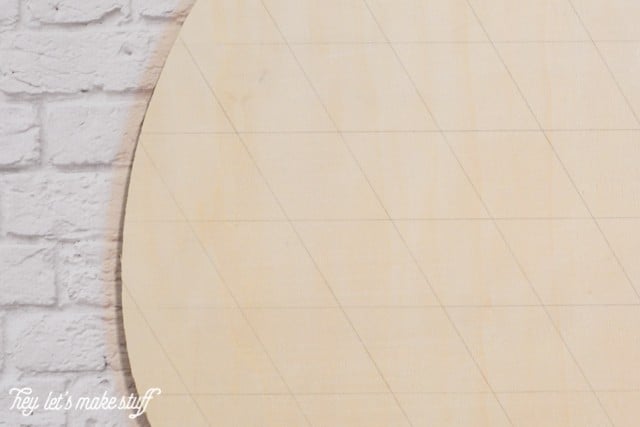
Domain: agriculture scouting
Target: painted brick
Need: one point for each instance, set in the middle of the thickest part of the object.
(74, 11)
(162, 8)
(103, 134)
(27, 275)
(2, 350)
(87, 273)
(58, 204)
(56, 342)
(9, 13)
(19, 136)
(60, 62)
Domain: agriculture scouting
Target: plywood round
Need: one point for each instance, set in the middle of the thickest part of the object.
(390, 213)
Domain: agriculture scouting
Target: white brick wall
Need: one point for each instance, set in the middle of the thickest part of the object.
(54, 62)
(85, 134)
(56, 341)
(19, 136)
(28, 274)
(9, 13)
(73, 11)
(75, 77)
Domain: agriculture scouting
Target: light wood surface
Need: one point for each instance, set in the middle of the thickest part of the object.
(369, 213)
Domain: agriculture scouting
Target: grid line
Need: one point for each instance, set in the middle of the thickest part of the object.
(378, 306)
(535, 291)
(299, 237)
(227, 287)
(406, 131)
(637, 119)
(418, 42)
(392, 219)
(573, 183)
(166, 355)
(382, 205)
(326, 281)
(293, 221)
(416, 393)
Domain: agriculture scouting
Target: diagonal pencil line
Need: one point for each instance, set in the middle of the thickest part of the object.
(445, 138)
(636, 117)
(494, 219)
(391, 131)
(419, 393)
(604, 61)
(382, 306)
(445, 311)
(144, 317)
(307, 251)
(415, 42)
(173, 366)
(225, 285)
(440, 131)
(217, 269)
(565, 169)
(573, 183)
(326, 281)
(558, 157)
(397, 219)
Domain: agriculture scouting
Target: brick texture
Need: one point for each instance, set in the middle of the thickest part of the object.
(74, 11)
(162, 8)
(9, 13)
(19, 136)
(101, 134)
(87, 273)
(56, 342)
(67, 205)
(53, 62)
(28, 275)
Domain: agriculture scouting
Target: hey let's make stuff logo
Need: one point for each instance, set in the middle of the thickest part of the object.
(27, 403)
